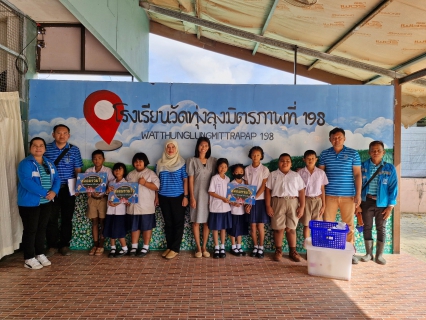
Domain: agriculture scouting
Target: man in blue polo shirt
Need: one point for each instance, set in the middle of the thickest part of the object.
(343, 191)
(69, 165)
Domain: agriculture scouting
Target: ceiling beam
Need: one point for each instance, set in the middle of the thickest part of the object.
(268, 41)
(265, 25)
(198, 13)
(355, 28)
(246, 55)
(413, 76)
(402, 66)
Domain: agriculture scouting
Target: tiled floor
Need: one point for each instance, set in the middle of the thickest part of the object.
(83, 287)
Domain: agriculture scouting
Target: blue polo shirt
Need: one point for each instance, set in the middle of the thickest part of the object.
(68, 163)
(339, 171)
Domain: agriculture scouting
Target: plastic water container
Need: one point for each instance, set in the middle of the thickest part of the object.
(330, 263)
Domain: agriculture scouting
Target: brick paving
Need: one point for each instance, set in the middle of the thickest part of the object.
(84, 287)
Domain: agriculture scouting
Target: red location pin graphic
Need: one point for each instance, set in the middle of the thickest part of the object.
(102, 111)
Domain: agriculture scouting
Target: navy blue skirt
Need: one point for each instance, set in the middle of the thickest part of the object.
(220, 221)
(141, 222)
(115, 226)
(258, 213)
(239, 226)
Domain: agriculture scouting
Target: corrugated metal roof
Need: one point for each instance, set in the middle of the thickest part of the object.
(390, 35)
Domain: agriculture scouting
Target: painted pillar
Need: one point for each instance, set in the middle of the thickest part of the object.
(397, 163)
(122, 26)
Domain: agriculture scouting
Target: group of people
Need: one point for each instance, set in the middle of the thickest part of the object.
(282, 198)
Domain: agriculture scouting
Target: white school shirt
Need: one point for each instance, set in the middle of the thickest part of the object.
(220, 187)
(255, 177)
(238, 211)
(108, 171)
(145, 204)
(314, 181)
(119, 210)
(285, 185)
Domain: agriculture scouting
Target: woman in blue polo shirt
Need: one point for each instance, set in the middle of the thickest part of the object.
(38, 184)
(173, 196)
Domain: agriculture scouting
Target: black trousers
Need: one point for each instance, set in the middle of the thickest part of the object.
(174, 220)
(34, 220)
(63, 207)
(369, 212)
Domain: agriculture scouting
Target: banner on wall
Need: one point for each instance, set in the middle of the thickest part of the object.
(124, 118)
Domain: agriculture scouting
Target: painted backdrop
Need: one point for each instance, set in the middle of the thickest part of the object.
(125, 118)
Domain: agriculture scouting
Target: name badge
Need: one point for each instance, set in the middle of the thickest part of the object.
(36, 174)
(385, 181)
(53, 171)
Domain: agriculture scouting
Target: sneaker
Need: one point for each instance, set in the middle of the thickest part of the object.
(43, 260)
(32, 264)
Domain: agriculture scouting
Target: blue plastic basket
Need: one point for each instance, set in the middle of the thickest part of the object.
(323, 235)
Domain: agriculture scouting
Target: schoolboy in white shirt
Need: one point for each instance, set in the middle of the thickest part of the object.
(315, 179)
(285, 204)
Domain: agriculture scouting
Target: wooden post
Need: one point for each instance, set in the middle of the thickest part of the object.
(397, 163)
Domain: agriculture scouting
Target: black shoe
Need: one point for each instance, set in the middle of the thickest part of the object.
(260, 254)
(235, 252)
(253, 253)
(242, 253)
(120, 253)
(222, 253)
(143, 253)
(133, 252)
(111, 253)
(65, 251)
(216, 254)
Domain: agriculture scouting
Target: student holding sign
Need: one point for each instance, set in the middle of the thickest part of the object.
(239, 222)
(97, 204)
(115, 221)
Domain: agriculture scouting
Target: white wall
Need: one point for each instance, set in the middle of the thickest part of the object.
(413, 152)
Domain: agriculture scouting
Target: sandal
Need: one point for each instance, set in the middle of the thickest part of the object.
(132, 252)
(99, 251)
(92, 251)
(206, 254)
(260, 254)
(216, 254)
(222, 253)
